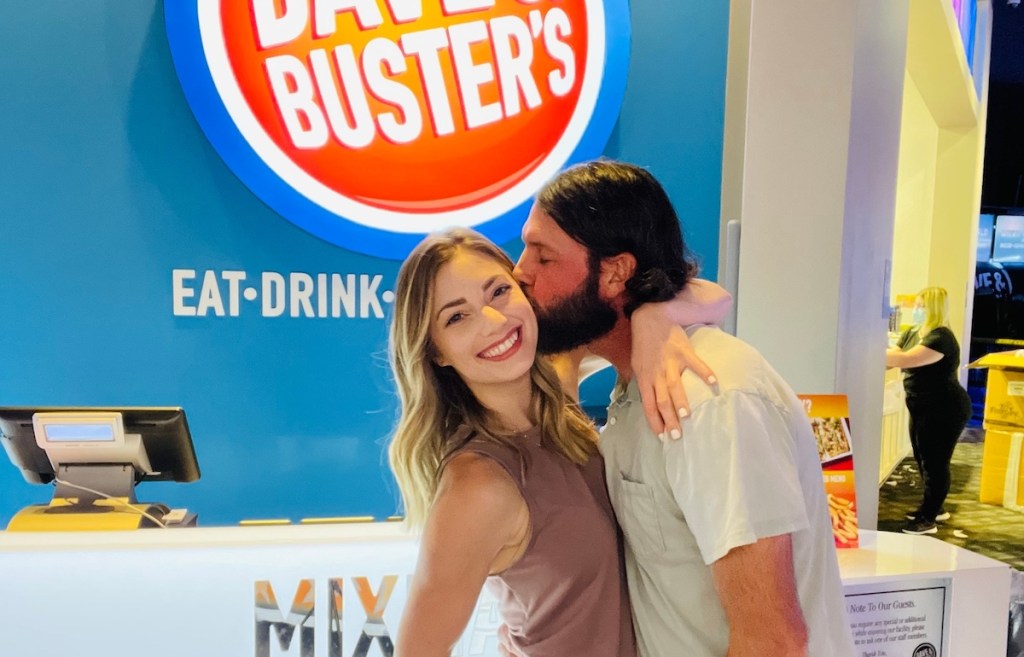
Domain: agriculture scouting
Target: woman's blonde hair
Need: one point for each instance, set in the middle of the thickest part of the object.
(936, 309)
(435, 402)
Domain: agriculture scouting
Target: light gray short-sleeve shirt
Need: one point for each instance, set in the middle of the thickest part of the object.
(746, 468)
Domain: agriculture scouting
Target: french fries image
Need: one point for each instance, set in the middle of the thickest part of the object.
(844, 519)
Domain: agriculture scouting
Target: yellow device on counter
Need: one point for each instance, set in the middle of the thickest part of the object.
(66, 515)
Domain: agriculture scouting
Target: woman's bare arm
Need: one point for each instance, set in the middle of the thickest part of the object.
(477, 521)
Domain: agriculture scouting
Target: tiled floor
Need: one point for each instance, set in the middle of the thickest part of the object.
(983, 528)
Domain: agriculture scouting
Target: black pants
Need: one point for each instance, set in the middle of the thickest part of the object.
(936, 423)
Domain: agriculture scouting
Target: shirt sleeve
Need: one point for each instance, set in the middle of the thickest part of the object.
(940, 339)
(734, 474)
(908, 339)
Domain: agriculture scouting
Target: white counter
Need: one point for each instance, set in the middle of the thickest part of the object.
(895, 429)
(205, 591)
(979, 587)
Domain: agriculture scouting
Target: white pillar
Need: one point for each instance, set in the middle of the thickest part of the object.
(822, 118)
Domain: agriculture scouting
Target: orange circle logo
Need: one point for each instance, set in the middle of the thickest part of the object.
(400, 116)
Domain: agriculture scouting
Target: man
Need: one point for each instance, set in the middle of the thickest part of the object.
(729, 548)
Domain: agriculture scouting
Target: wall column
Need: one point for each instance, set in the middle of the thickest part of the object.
(822, 119)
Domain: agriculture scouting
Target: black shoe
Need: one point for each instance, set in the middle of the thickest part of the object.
(920, 526)
(943, 515)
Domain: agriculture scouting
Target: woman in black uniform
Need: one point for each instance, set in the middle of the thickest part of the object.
(939, 407)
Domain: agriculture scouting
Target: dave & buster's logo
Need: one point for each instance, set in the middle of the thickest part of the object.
(370, 123)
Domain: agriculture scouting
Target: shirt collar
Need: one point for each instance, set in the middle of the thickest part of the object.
(625, 392)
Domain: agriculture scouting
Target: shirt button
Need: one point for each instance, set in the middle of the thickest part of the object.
(611, 420)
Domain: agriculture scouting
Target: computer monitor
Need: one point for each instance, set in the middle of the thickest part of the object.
(155, 441)
(986, 224)
(1008, 243)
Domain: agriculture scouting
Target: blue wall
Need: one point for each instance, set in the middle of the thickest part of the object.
(107, 185)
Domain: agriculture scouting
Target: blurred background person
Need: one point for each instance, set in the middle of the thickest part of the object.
(939, 407)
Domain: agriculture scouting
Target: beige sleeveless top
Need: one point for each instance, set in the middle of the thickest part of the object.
(566, 596)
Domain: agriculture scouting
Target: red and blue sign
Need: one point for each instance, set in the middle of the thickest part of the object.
(370, 123)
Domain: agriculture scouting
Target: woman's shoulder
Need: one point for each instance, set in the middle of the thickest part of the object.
(477, 456)
(477, 506)
(478, 481)
(940, 333)
(472, 468)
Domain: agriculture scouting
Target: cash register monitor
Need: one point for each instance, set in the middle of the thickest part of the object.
(95, 457)
(89, 438)
(155, 441)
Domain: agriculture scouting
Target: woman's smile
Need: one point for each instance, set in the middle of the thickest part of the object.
(504, 349)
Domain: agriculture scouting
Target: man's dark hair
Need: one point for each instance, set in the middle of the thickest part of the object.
(613, 207)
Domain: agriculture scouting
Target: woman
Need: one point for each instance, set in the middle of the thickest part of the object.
(497, 466)
(939, 406)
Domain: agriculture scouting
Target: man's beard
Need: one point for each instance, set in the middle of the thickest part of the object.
(576, 320)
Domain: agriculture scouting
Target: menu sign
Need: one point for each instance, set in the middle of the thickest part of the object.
(830, 419)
